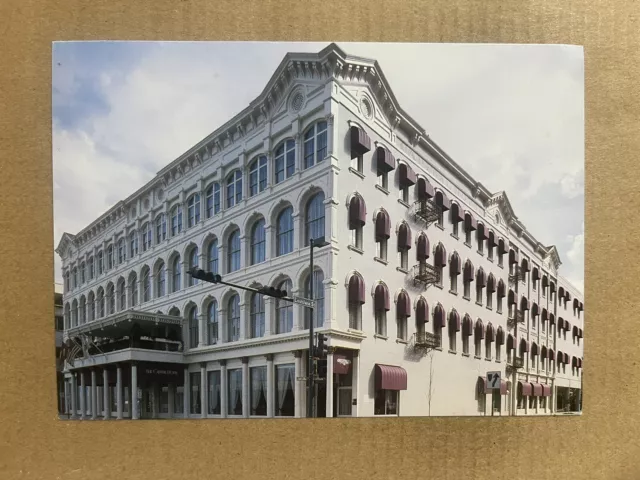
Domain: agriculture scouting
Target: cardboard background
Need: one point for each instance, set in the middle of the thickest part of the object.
(602, 443)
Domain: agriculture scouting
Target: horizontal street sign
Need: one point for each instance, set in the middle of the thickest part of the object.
(307, 302)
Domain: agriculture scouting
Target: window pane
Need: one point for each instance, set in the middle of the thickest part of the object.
(234, 397)
(258, 390)
(213, 393)
(284, 390)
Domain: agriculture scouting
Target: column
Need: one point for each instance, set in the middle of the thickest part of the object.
(187, 393)
(222, 324)
(299, 234)
(331, 147)
(355, 382)
(83, 396)
(245, 387)
(202, 325)
(119, 402)
(298, 312)
(270, 389)
(330, 313)
(155, 406)
(298, 411)
(105, 396)
(224, 389)
(245, 248)
(329, 383)
(270, 252)
(243, 319)
(74, 396)
(172, 399)
(268, 322)
(331, 215)
(135, 411)
(203, 389)
(223, 266)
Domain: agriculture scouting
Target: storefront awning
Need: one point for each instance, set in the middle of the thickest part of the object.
(341, 364)
(526, 388)
(546, 390)
(389, 377)
(537, 389)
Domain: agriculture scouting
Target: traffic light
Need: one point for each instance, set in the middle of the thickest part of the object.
(200, 274)
(273, 292)
(322, 348)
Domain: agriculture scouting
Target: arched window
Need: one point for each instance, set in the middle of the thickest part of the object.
(258, 175)
(67, 282)
(83, 310)
(161, 228)
(110, 257)
(146, 237)
(193, 210)
(356, 298)
(234, 188)
(92, 269)
(258, 242)
(284, 233)
(212, 322)
(176, 220)
(122, 251)
(111, 299)
(133, 290)
(454, 271)
(193, 263)
(83, 273)
(92, 307)
(194, 332)
(74, 313)
(233, 319)
(212, 256)
(314, 218)
(176, 274)
(74, 277)
(122, 296)
(100, 263)
(318, 297)
(285, 162)
(100, 302)
(284, 310)
(233, 252)
(381, 306)
(257, 316)
(133, 244)
(315, 144)
(67, 316)
(212, 199)
(403, 311)
(160, 280)
(146, 284)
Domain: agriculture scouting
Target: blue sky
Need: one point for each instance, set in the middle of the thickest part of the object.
(512, 116)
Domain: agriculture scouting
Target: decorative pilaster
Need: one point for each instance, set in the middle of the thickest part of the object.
(203, 390)
(119, 402)
(224, 389)
(245, 387)
(270, 387)
(270, 251)
(298, 410)
(83, 396)
(187, 393)
(298, 236)
(298, 313)
(243, 321)
(202, 337)
(105, 394)
(135, 405)
(269, 327)
(355, 380)
(329, 383)
(74, 396)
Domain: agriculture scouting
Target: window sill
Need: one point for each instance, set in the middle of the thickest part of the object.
(487, 359)
(477, 357)
(400, 340)
(453, 352)
(465, 355)
(498, 361)
(402, 202)
(441, 227)
(453, 293)
(400, 269)
(355, 249)
(356, 172)
(439, 286)
(480, 252)
(382, 189)
(380, 260)
(489, 307)
(381, 337)
(478, 303)
(453, 235)
(490, 259)
(466, 298)
(467, 244)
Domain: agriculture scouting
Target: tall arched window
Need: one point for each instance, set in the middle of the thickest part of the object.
(133, 290)
(212, 322)
(212, 199)
(122, 296)
(284, 233)
(314, 217)
(234, 188)
(161, 277)
(161, 228)
(74, 277)
(258, 175)
(193, 263)
(74, 313)
(133, 244)
(193, 210)
(176, 220)
(285, 162)
(194, 331)
(100, 302)
(212, 256)
(100, 262)
(110, 257)
(83, 273)
(258, 242)
(146, 236)
(318, 296)
(146, 284)
(122, 251)
(67, 316)
(233, 319)
(82, 310)
(111, 299)
(92, 268)
(233, 252)
(315, 144)
(176, 274)
(284, 310)
(257, 315)
(92, 307)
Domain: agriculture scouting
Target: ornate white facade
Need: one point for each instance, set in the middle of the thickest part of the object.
(416, 310)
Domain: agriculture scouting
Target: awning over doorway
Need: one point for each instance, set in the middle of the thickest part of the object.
(390, 377)
(341, 364)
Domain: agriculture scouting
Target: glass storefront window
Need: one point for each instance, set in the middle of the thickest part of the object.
(284, 390)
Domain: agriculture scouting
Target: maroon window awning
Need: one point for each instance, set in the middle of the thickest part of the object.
(467, 326)
(469, 271)
(537, 389)
(546, 390)
(545, 281)
(551, 354)
(381, 298)
(439, 319)
(479, 329)
(524, 346)
(404, 237)
(454, 266)
(545, 315)
(535, 275)
(510, 343)
(357, 212)
(384, 160)
(566, 358)
(580, 333)
(526, 388)
(454, 321)
(513, 257)
(341, 364)
(383, 225)
(423, 248)
(552, 286)
(576, 304)
(456, 213)
(575, 331)
(560, 357)
(500, 336)
(422, 312)
(512, 298)
(481, 281)
(390, 377)
(407, 176)
(581, 306)
(492, 239)
(483, 232)
(470, 223)
(501, 289)
(356, 290)
(503, 246)
(425, 189)
(534, 349)
(525, 265)
(491, 283)
(442, 200)
(524, 304)
(552, 319)
(403, 305)
(535, 310)
(440, 259)
(360, 142)
(560, 293)
(574, 362)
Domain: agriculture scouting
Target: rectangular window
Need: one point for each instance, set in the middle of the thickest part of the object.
(440, 271)
(356, 163)
(489, 299)
(178, 404)
(258, 390)
(213, 393)
(386, 402)
(381, 323)
(194, 384)
(404, 259)
(467, 236)
(454, 283)
(489, 252)
(284, 390)
(355, 311)
(499, 307)
(478, 294)
(455, 228)
(383, 180)
(467, 289)
(402, 328)
(480, 245)
(382, 249)
(452, 340)
(498, 352)
(234, 391)
(500, 259)
(478, 345)
(487, 350)
(465, 343)
(404, 194)
(356, 238)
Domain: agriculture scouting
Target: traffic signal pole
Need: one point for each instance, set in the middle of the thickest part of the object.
(310, 370)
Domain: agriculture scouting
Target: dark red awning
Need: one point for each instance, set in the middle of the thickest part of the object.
(407, 175)
(403, 305)
(383, 225)
(440, 259)
(357, 212)
(389, 377)
(404, 237)
(546, 390)
(384, 160)
(454, 321)
(422, 311)
(422, 252)
(537, 389)
(470, 223)
(526, 388)
(356, 290)
(439, 318)
(360, 142)
(381, 298)
(341, 364)
(425, 189)
(442, 200)
(456, 213)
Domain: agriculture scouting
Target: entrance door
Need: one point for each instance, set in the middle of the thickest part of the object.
(343, 397)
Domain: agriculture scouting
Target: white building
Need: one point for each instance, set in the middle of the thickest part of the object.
(429, 280)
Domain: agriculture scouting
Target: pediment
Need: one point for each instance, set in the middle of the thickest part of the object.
(367, 104)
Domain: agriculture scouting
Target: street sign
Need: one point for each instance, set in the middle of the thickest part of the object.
(307, 302)
(301, 379)
(493, 380)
